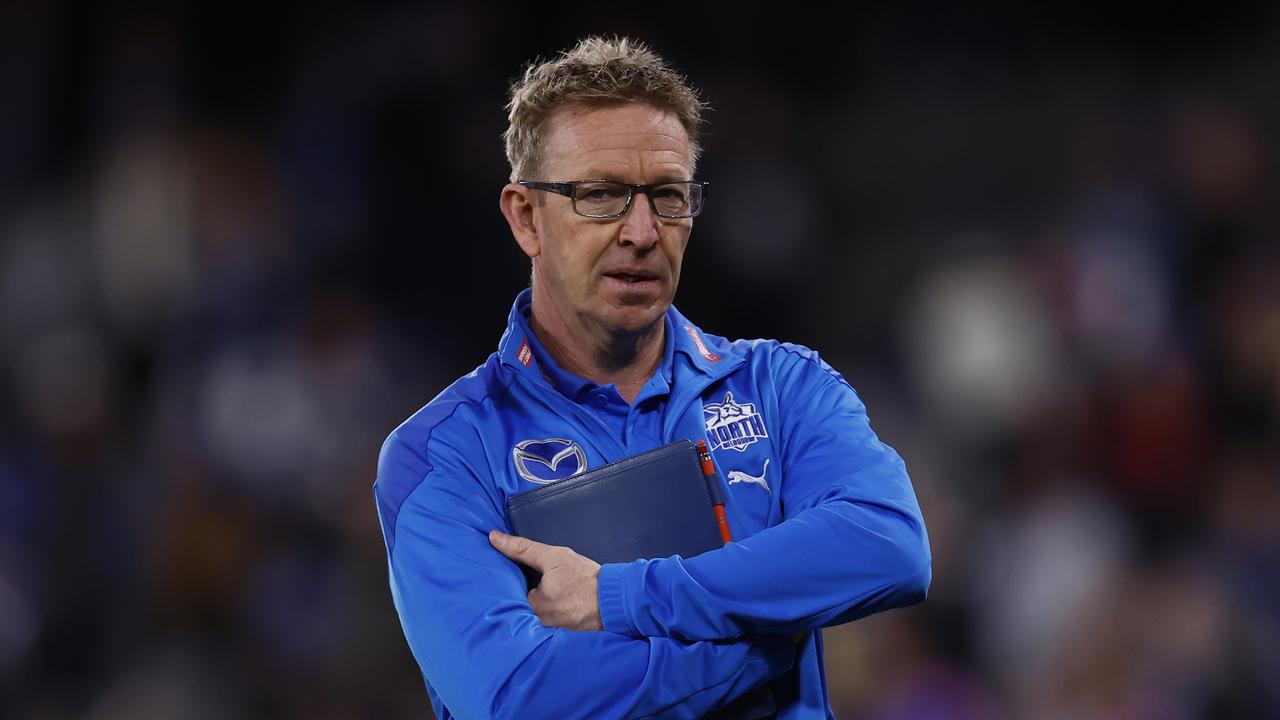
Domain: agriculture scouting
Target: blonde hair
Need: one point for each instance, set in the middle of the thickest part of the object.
(598, 72)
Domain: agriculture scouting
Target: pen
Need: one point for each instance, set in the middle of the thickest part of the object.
(713, 486)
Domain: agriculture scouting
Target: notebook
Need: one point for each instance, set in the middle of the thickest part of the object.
(655, 504)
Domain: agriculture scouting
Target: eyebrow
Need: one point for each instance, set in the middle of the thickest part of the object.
(606, 176)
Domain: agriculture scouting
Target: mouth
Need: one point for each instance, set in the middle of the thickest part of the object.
(633, 277)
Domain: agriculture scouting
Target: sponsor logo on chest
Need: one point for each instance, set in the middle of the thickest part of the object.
(732, 425)
(544, 461)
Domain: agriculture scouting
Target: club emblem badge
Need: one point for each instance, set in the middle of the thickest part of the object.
(732, 425)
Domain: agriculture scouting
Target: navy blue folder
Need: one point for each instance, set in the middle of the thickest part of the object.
(655, 504)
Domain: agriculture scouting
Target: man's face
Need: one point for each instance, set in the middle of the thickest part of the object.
(617, 274)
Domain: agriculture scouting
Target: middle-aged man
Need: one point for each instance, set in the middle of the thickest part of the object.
(597, 365)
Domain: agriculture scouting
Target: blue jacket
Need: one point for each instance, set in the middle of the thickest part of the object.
(825, 523)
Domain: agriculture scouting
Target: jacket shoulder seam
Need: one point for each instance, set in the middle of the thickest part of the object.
(503, 389)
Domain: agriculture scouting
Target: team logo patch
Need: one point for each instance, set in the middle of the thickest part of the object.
(544, 461)
(732, 425)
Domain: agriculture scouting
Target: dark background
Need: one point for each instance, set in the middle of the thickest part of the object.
(240, 243)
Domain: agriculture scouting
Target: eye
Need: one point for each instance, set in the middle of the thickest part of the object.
(601, 192)
(673, 193)
(671, 200)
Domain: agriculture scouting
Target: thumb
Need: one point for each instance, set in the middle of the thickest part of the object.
(517, 548)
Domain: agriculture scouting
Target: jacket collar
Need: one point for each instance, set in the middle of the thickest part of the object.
(710, 355)
(687, 348)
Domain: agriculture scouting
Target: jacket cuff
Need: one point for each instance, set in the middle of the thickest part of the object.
(611, 586)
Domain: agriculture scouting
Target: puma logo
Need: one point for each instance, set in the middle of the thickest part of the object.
(737, 476)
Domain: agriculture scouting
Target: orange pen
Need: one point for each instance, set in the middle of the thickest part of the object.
(713, 487)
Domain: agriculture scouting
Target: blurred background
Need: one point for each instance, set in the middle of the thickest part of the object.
(240, 243)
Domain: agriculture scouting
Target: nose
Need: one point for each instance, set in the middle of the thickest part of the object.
(639, 224)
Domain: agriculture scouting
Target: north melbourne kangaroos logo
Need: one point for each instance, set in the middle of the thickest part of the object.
(732, 425)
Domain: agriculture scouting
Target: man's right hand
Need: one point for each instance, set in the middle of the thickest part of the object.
(567, 596)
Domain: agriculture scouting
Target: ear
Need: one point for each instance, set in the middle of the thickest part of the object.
(517, 207)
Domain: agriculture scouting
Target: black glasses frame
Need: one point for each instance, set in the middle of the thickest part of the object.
(567, 187)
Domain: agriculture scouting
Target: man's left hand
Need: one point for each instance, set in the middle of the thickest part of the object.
(566, 597)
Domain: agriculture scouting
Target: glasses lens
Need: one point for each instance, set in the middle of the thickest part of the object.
(680, 199)
(600, 199)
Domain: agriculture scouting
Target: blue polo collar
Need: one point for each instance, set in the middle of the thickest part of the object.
(685, 346)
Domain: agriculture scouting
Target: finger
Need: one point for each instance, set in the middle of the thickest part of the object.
(520, 549)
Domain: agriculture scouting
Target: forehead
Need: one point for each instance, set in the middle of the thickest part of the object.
(632, 142)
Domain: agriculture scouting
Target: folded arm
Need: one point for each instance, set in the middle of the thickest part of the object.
(465, 613)
(852, 543)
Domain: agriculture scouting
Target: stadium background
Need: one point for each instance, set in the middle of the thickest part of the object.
(239, 243)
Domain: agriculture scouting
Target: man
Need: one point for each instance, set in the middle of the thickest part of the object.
(597, 365)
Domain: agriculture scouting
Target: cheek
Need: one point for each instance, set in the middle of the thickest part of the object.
(560, 251)
(574, 266)
(676, 244)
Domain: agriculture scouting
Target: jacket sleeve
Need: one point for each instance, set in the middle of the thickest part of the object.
(464, 611)
(852, 541)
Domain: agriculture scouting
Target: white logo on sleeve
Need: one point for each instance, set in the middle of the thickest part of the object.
(737, 476)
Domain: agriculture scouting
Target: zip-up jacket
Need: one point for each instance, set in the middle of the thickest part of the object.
(825, 523)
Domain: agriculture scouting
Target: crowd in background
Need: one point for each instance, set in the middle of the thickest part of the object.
(239, 245)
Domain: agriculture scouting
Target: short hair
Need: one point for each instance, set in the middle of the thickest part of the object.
(597, 72)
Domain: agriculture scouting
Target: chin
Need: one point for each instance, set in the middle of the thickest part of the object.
(634, 320)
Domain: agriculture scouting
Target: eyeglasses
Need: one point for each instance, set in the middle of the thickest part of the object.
(609, 198)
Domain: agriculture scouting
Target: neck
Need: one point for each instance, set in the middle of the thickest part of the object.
(624, 359)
